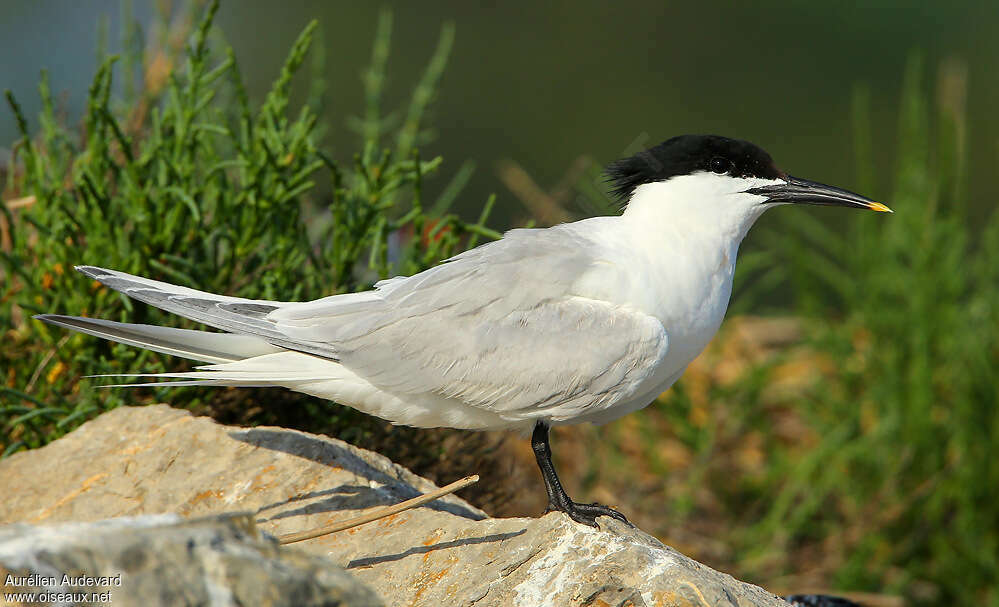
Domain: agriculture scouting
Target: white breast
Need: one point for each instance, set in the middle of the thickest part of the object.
(680, 276)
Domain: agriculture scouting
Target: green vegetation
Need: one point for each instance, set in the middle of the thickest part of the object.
(860, 456)
(874, 471)
(919, 414)
(186, 182)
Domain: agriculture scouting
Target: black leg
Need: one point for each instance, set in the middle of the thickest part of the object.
(557, 497)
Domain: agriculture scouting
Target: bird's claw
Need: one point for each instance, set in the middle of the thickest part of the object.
(587, 513)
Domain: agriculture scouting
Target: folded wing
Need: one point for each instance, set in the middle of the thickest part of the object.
(497, 327)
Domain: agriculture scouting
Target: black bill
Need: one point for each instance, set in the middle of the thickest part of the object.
(795, 190)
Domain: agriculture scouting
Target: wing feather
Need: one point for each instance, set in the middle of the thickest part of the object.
(500, 327)
(233, 314)
(497, 327)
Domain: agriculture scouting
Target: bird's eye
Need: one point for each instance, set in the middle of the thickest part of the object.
(719, 165)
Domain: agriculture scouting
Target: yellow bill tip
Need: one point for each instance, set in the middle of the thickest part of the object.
(880, 208)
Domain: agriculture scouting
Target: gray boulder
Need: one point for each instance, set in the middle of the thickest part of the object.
(166, 560)
(146, 460)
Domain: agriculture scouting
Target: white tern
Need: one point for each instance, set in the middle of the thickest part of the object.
(580, 322)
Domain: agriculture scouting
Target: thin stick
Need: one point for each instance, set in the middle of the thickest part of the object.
(381, 512)
(44, 363)
(17, 203)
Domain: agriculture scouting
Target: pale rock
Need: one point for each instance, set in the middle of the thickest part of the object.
(163, 559)
(151, 460)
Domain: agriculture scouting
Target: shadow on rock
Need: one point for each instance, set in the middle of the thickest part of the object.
(387, 490)
(469, 541)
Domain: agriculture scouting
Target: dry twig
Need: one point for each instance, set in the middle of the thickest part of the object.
(380, 513)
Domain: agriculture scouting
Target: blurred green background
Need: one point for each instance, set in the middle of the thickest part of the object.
(542, 83)
(839, 435)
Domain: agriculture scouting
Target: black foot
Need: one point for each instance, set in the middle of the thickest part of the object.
(557, 498)
(586, 513)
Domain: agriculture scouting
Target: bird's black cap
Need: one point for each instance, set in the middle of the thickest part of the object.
(687, 154)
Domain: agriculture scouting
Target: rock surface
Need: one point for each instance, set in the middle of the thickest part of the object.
(149, 460)
(219, 560)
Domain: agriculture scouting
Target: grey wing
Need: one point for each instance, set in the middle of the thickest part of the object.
(233, 314)
(557, 358)
(497, 327)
